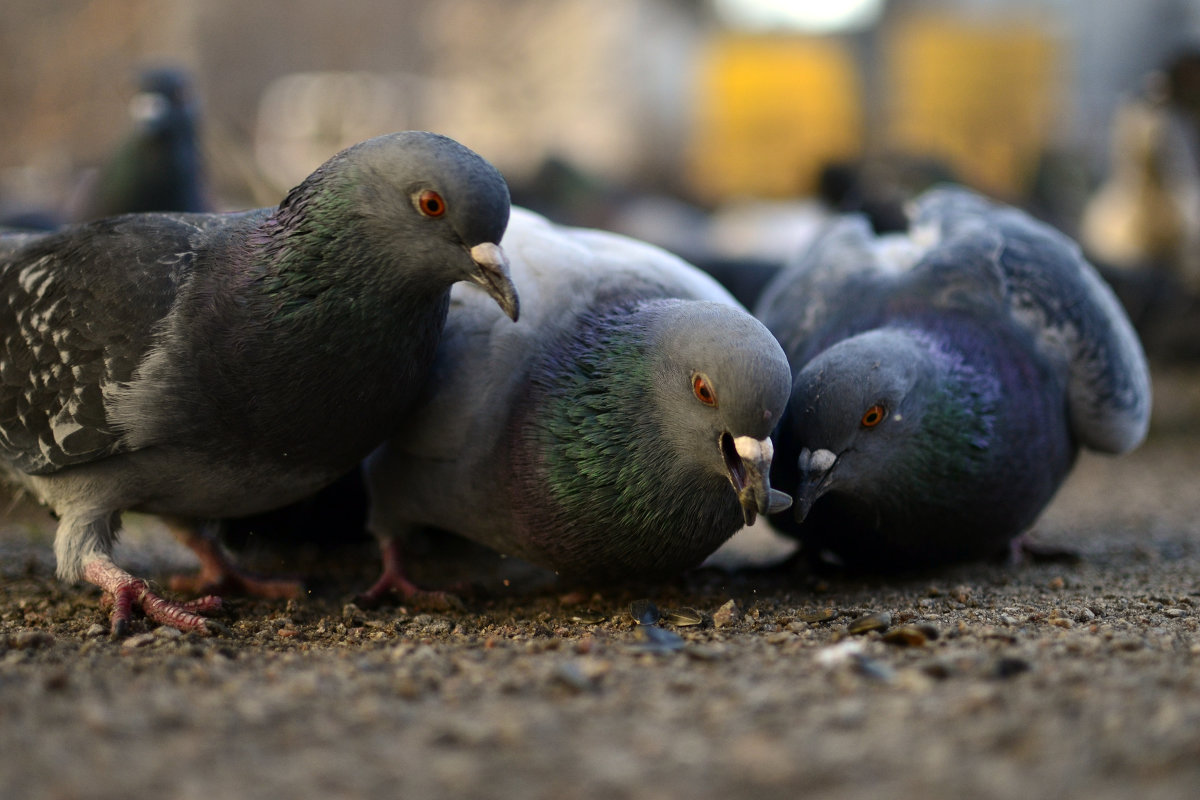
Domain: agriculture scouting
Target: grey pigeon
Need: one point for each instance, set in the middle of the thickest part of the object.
(214, 365)
(158, 166)
(945, 381)
(621, 428)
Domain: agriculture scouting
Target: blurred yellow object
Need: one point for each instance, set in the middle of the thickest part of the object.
(981, 97)
(771, 110)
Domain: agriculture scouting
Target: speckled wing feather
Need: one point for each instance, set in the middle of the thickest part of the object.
(73, 330)
(1057, 295)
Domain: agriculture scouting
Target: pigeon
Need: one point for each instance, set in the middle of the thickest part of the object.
(946, 379)
(210, 365)
(620, 429)
(158, 166)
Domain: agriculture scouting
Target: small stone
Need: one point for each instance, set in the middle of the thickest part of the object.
(910, 635)
(819, 616)
(30, 639)
(727, 615)
(1057, 583)
(55, 681)
(1010, 666)
(167, 632)
(96, 630)
(711, 652)
(780, 637)
(572, 676)
(141, 640)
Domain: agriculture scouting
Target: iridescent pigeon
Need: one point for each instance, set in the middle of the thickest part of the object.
(946, 379)
(620, 429)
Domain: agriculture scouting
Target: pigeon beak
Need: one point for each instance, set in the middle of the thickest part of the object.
(493, 276)
(748, 464)
(816, 476)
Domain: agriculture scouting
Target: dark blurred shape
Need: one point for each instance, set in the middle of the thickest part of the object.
(158, 167)
(841, 186)
(744, 278)
(334, 516)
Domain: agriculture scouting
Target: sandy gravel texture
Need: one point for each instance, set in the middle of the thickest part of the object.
(1045, 680)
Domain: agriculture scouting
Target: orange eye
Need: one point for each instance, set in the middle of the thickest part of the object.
(873, 416)
(431, 203)
(703, 391)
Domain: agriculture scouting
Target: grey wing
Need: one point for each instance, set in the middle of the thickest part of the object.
(78, 310)
(1052, 290)
(836, 286)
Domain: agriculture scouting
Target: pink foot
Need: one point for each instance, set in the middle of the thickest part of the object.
(394, 582)
(124, 593)
(220, 575)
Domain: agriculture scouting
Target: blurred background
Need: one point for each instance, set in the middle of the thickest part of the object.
(725, 130)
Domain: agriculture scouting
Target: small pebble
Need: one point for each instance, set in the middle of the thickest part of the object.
(571, 675)
(727, 615)
(708, 652)
(140, 640)
(1010, 666)
(822, 615)
(910, 635)
(29, 639)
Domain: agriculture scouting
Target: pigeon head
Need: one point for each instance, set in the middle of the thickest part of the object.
(721, 385)
(413, 200)
(164, 102)
(874, 413)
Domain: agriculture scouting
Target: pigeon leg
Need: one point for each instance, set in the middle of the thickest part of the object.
(219, 574)
(394, 581)
(126, 592)
(1023, 550)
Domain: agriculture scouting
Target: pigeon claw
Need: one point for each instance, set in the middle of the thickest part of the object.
(220, 575)
(125, 593)
(394, 583)
(748, 465)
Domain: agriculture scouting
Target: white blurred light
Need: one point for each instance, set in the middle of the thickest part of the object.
(813, 16)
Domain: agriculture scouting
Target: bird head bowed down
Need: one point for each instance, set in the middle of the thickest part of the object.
(946, 378)
(218, 365)
(621, 428)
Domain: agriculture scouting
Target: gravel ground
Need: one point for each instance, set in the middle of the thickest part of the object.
(1051, 680)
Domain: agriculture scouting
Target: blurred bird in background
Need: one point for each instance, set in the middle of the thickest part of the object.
(158, 167)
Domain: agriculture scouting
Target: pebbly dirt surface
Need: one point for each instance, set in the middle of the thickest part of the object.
(1045, 680)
